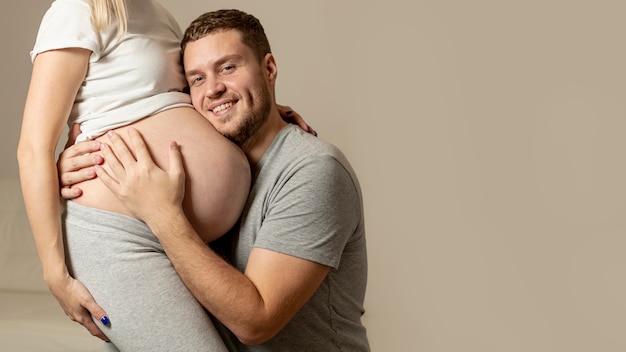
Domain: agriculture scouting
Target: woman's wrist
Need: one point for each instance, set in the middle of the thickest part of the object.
(54, 278)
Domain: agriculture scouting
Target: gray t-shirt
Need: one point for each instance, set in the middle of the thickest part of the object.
(306, 202)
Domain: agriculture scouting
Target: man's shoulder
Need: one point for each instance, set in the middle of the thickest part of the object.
(297, 142)
(299, 152)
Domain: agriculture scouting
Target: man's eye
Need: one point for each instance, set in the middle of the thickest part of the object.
(228, 68)
(196, 80)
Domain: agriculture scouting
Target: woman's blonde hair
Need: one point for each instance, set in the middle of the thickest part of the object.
(106, 12)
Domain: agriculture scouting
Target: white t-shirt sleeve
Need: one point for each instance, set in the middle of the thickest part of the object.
(67, 24)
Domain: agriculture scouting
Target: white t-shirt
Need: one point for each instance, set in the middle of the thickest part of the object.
(129, 78)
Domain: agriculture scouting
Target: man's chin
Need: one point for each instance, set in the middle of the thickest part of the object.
(221, 128)
(233, 137)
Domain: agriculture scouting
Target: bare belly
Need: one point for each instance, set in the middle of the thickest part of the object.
(217, 173)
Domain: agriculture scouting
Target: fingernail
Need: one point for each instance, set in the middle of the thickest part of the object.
(105, 320)
(289, 112)
(315, 133)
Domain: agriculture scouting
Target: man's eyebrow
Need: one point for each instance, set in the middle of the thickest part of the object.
(191, 73)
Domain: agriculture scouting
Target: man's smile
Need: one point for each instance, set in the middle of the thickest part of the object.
(222, 107)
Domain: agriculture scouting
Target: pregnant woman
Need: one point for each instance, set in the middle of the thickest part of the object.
(115, 64)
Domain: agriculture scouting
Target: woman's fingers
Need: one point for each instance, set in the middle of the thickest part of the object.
(75, 165)
(289, 115)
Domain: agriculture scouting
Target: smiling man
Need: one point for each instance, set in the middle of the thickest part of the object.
(232, 91)
(299, 265)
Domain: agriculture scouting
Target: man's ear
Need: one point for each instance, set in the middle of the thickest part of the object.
(269, 63)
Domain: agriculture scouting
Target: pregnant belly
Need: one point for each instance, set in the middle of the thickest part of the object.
(217, 174)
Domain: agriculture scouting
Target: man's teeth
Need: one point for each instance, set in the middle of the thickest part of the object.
(222, 107)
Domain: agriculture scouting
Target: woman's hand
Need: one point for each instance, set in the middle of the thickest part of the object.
(75, 165)
(287, 113)
(79, 305)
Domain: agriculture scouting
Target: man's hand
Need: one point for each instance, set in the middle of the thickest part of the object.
(146, 190)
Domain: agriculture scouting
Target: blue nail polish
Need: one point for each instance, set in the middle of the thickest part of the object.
(105, 320)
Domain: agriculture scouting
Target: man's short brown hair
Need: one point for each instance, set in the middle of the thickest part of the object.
(248, 26)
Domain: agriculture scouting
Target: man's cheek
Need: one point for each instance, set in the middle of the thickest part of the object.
(197, 103)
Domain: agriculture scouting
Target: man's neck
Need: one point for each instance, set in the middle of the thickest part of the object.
(264, 138)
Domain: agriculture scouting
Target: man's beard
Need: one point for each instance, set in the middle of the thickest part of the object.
(251, 121)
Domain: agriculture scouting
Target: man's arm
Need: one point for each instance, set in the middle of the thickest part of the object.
(254, 305)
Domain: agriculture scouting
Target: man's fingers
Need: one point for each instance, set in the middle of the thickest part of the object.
(139, 145)
(105, 178)
(176, 161)
(114, 164)
(123, 154)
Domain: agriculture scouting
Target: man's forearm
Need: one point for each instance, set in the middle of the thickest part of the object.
(227, 293)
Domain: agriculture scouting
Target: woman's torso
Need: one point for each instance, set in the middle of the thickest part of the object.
(140, 75)
(129, 77)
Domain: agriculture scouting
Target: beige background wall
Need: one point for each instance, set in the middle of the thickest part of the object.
(489, 141)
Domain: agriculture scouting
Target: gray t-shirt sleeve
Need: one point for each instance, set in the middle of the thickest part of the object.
(312, 214)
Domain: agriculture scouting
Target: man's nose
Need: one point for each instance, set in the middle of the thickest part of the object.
(214, 88)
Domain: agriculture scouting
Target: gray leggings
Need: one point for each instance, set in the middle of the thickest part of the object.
(126, 270)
